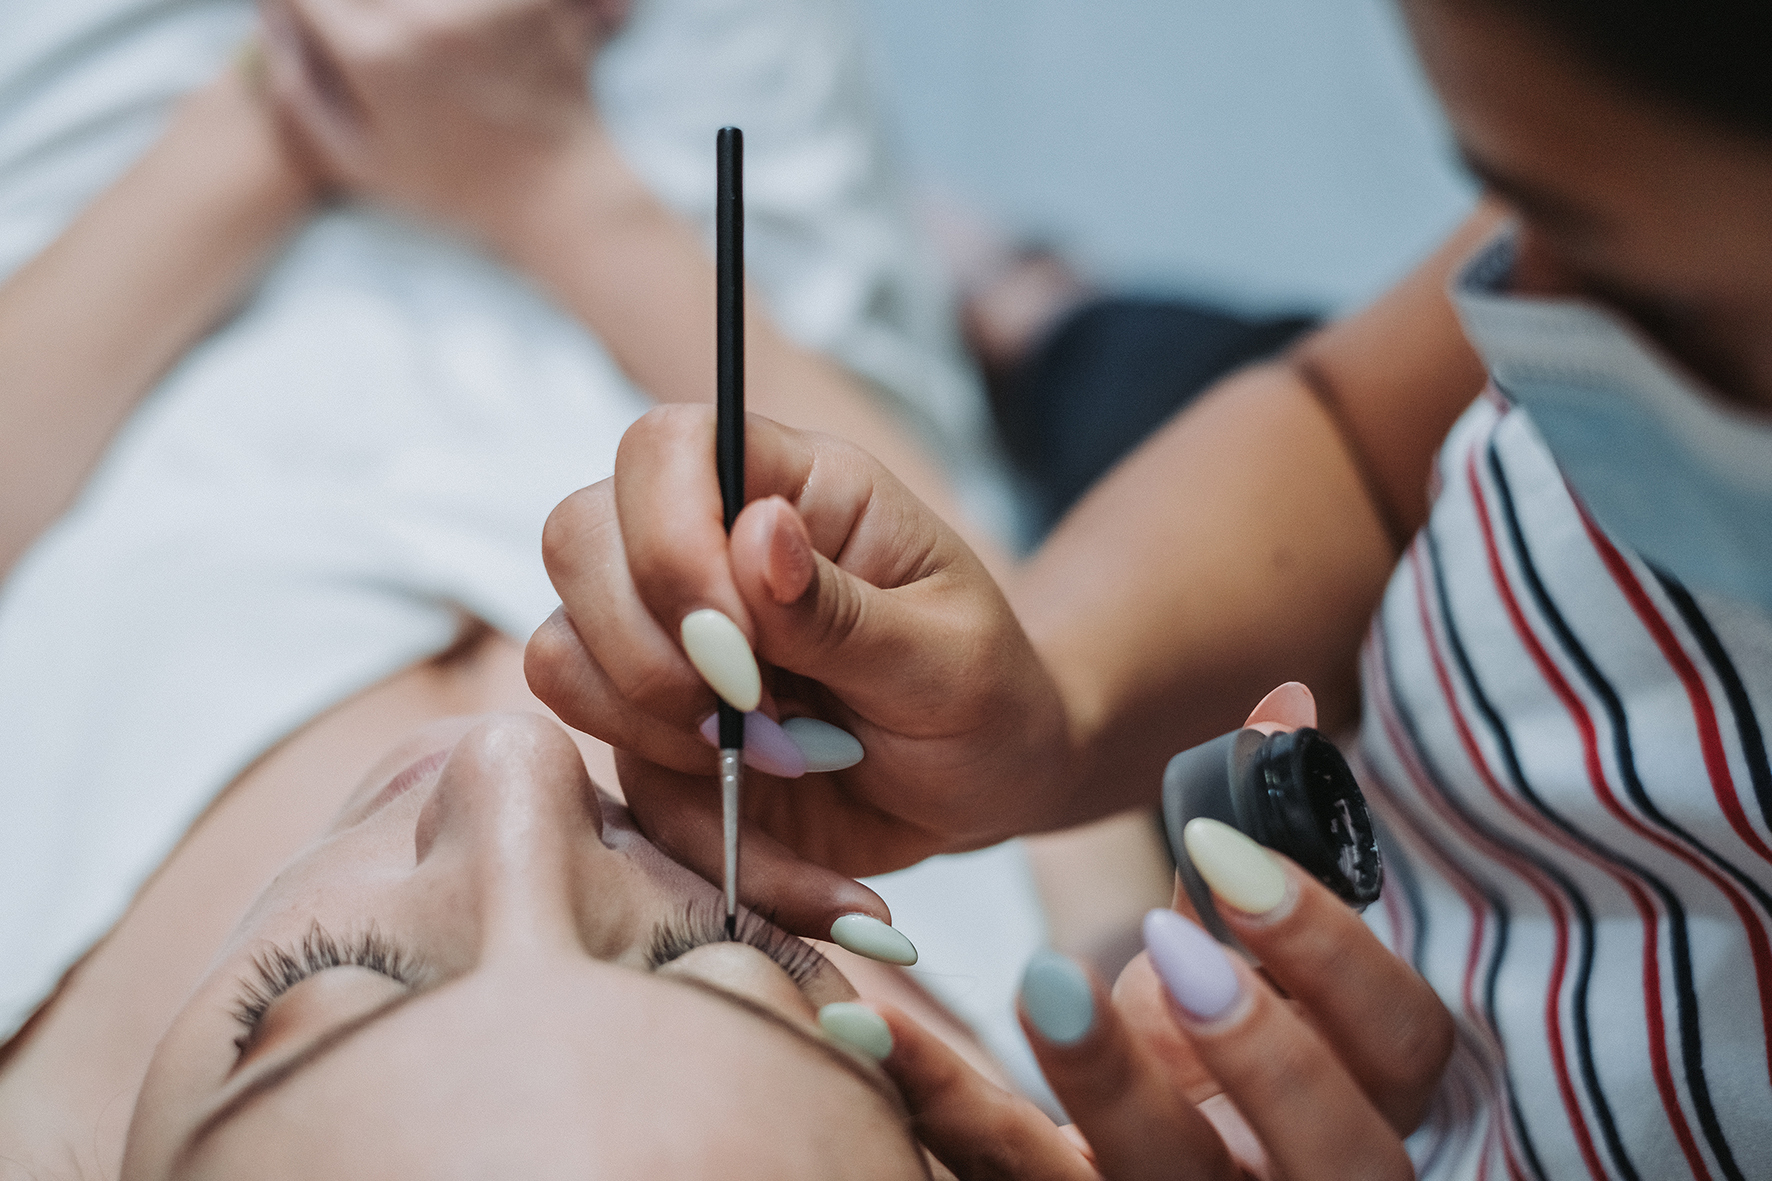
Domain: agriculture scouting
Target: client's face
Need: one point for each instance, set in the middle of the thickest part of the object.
(483, 970)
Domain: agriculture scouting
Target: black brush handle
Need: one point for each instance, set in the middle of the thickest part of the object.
(729, 393)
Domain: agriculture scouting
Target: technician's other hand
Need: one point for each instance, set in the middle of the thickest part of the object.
(450, 109)
(1196, 1067)
(865, 611)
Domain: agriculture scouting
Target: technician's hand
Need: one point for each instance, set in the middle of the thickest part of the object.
(864, 609)
(1199, 1069)
(1196, 1067)
(450, 109)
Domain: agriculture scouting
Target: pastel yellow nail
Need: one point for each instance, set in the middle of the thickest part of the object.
(858, 1027)
(1239, 871)
(721, 654)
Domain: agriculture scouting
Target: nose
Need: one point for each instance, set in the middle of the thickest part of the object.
(511, 832)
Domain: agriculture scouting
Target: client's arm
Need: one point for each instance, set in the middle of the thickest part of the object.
(480, 119)
(636, 273)
(89, 324)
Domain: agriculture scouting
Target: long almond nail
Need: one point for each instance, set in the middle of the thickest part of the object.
(1193, 968)
(858, 1027)
(866, 935)
(1239, 871)
(1056, 996)
(825, 747)
(721, 654)
(767, 746)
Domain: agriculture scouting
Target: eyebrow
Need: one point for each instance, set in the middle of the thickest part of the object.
(276, 1076)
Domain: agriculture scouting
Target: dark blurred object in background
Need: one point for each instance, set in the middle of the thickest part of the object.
(1111, 372)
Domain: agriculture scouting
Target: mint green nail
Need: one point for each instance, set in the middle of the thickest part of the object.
(866, 935)
(858, 1027)
(1055, 993)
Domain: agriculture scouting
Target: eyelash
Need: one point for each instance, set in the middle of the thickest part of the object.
(704, 923)
(280, 969)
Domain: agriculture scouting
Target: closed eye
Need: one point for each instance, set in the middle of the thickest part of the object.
(279, 969)
(702, 923)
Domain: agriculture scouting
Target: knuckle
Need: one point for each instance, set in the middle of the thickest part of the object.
(1288, 1072)
(560, 672)
(1421, 1046)
(662, 427)
(1402, 1079)
(550, 649)
(1103, 1083)
(1003, 1118)
(838, 613)
(664, 692)
(572, 523)
(1393, 1163)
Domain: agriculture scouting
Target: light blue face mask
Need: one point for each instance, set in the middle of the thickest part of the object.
(1664, 467)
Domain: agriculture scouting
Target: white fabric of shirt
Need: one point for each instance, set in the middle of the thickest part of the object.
(370, 446)
(1566, 749)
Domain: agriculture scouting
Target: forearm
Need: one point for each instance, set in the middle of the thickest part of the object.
(89, 324)
(1249, 541)
(591, 233)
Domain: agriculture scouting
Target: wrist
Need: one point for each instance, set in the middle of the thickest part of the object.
(1066, 736)
(244, 147)
(583, 182)
(1064, 767)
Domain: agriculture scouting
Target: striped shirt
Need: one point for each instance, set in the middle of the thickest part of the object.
(1564, 748)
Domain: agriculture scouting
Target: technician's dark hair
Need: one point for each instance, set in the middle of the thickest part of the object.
(1711, 57)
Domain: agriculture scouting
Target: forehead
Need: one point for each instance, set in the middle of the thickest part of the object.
(638, 1076)
(1508, 77)
(1574, 149)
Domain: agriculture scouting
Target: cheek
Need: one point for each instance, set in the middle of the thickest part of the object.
(673, 883)
(188, 1067)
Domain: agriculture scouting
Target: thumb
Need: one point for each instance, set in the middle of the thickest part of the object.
(1289, 707)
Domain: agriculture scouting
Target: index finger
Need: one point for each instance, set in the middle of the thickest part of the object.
(667, 497)
(1129, 1100)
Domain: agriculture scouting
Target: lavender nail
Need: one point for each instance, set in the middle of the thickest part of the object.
(1191, 965)
(767, 746)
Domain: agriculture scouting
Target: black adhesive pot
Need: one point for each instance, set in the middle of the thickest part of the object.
(1292, 792)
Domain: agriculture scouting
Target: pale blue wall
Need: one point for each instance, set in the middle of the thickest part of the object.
(1268, 152)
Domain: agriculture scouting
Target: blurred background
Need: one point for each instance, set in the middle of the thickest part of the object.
(1266, 155)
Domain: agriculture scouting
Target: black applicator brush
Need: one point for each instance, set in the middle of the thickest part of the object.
(729, 453)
